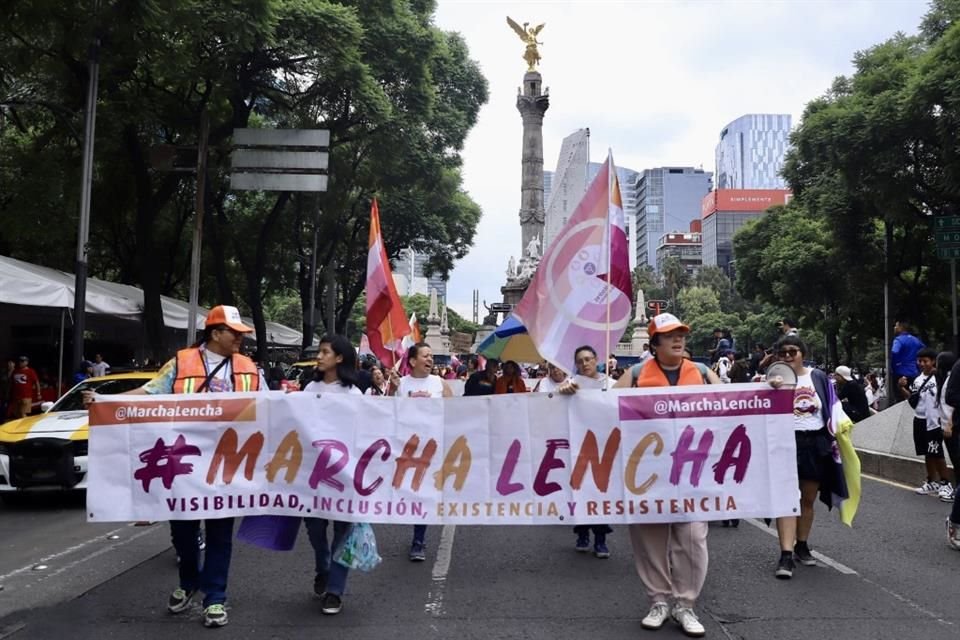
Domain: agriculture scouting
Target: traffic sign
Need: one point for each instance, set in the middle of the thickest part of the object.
(945, 223)
(500, 307)
(947, 238)
(948, 253)
(263, 160)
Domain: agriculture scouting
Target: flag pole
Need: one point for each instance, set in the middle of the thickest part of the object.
(608, 238)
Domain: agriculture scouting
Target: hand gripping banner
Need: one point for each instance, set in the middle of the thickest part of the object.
(637, 455)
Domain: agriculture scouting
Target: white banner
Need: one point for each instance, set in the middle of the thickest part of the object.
(638, 455)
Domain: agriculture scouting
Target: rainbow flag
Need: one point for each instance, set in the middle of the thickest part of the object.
(581, 293)
(386, 319)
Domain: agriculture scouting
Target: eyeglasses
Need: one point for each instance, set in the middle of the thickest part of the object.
(788, 352)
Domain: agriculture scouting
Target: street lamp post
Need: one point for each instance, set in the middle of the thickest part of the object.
(86, 182)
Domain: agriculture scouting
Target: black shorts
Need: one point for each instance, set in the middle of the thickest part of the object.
(813, 454)
(927, 443)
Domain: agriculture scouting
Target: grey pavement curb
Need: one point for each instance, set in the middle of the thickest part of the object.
(890, 467)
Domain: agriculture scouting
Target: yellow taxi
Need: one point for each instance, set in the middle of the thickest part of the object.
(300, 373)
(49, 450)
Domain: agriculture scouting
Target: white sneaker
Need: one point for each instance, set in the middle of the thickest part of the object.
(928, 488)
(687, 619)
(657, 615)
(946, 492)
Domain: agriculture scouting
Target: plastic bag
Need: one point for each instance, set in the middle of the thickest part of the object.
(359, 550)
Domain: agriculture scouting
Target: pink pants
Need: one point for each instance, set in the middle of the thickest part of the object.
(671, 560)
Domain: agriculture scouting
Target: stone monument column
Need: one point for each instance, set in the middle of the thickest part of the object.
(532, 103)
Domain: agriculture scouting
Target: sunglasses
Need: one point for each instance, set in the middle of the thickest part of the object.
(788, 352)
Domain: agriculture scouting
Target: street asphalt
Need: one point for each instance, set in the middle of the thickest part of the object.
(892, 576)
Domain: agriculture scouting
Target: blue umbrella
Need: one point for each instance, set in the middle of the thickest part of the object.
(510, 341)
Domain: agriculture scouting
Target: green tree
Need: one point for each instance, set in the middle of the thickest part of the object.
(379, 75)
(675, 277)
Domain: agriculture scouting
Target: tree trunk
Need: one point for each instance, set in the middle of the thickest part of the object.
(255, 271)
(149, 204)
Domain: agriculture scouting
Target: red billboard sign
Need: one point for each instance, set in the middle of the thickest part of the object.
(743, 200)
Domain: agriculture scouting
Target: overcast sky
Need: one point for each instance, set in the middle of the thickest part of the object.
(655, 81)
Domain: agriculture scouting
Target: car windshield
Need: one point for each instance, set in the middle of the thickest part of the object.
(73, 401)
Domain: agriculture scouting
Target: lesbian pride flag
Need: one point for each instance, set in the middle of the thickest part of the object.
(386, 319)
(583, 279)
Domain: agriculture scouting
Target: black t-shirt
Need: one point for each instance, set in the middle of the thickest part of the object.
(478, 385)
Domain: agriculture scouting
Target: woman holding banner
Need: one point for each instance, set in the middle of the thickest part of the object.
(336, 372)
(420, 383)
(671, 558)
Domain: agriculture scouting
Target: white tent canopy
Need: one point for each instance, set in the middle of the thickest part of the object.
(32, 285)
(26, 284)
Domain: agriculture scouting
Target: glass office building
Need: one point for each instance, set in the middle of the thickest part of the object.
(751, 152)
(667, 199)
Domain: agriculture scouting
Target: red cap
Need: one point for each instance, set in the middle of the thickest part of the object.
(665, 323)
(229, 316)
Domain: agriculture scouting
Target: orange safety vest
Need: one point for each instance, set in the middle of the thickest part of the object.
(191, 372)
(651, 375)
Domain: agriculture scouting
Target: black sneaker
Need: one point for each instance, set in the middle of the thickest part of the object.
(319, 585)
(785, 567)
(179, 600)
(331, 605)
(417, 551)
(802, 552)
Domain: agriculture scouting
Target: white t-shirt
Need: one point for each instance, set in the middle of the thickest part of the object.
(600, 382)
(321, 387)
(723, 369)
(371, 391)
(100, 369)
(807, 410)
(945, 410)
(546, 385)
(222, 380)
(428, 387)
(927, 407)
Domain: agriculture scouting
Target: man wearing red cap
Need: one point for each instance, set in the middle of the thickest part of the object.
(213, 364)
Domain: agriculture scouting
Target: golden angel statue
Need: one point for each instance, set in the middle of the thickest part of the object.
(529, 36)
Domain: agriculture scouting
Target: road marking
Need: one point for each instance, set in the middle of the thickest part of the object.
(99, 552)
(9, 630)
(441, 566)
(60, 554)
(842, 568)
(830, 562)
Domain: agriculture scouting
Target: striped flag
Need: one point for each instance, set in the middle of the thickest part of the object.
(386, 319)
(581, 293)
(408, 341)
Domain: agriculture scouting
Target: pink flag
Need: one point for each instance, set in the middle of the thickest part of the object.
(569, 300)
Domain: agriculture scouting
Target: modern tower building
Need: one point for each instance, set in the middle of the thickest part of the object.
(724, 211)
(408, 276)
(687, 247)
(568, 184)
(751, 151)
(627, 178)
(667, 199)
(547, 187)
